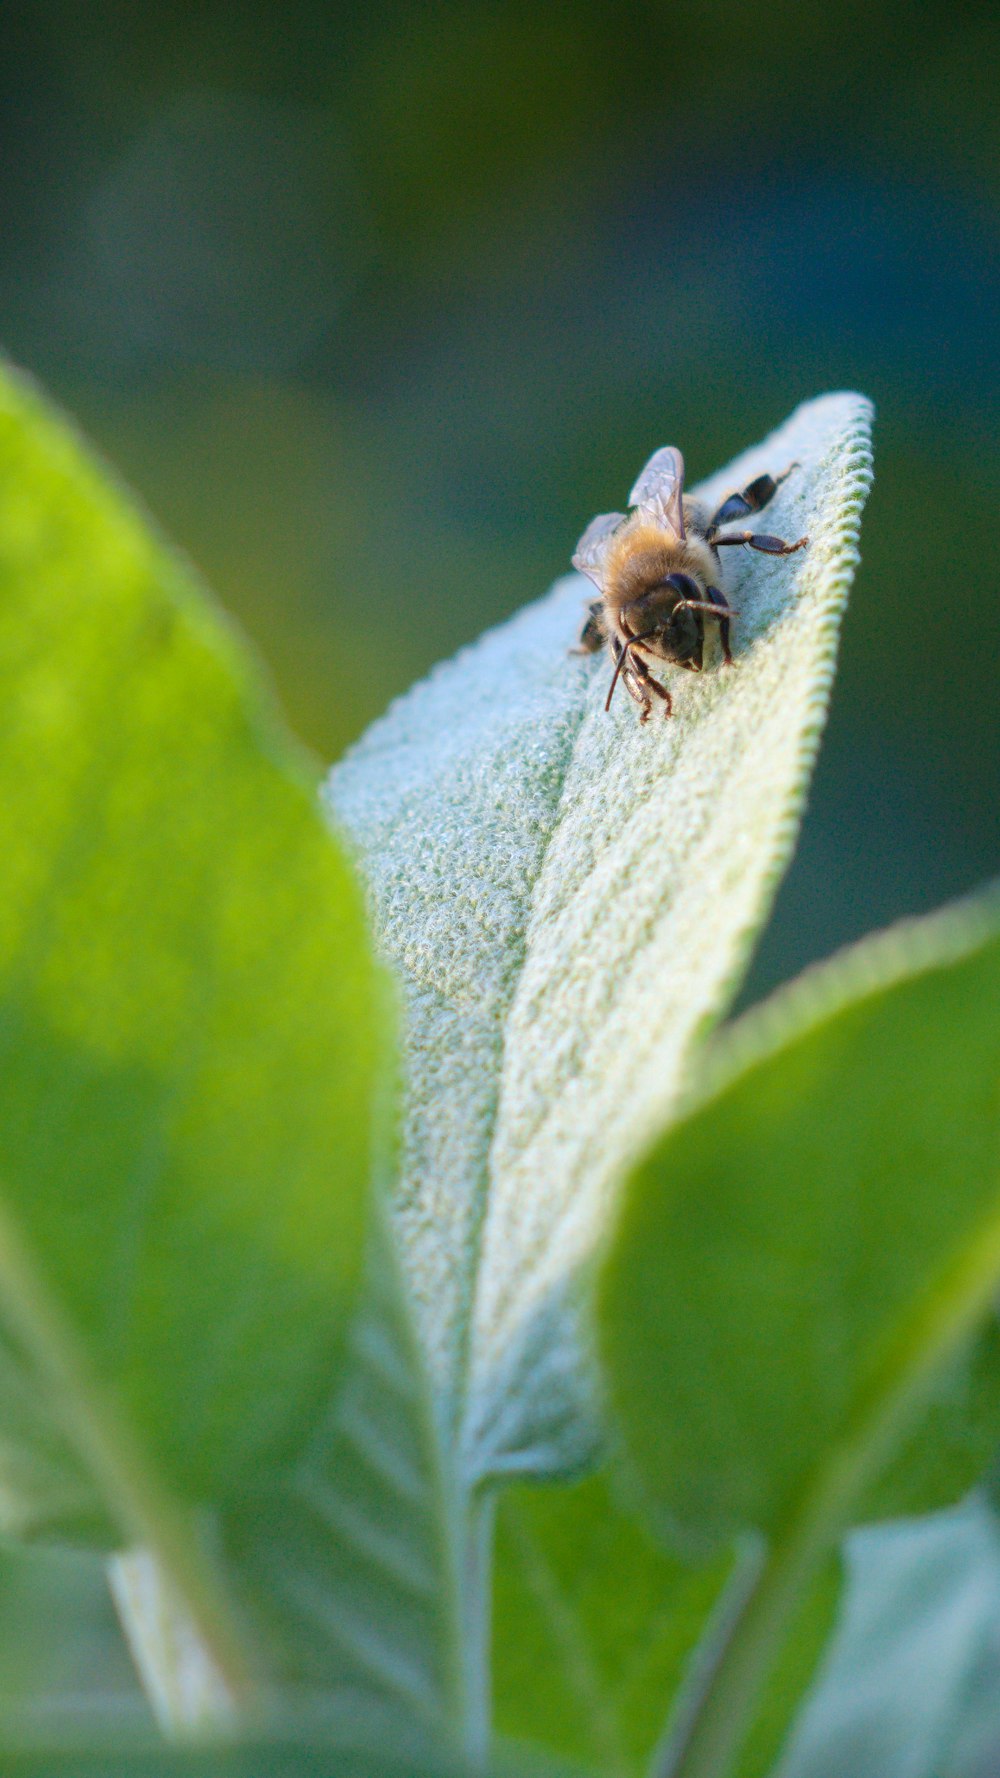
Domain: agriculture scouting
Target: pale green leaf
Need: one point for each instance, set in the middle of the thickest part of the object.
(260, 1760)
(567, 899)
(64, 1669)
(352, 1567)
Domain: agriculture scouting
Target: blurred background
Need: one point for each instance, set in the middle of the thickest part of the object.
(377, 306)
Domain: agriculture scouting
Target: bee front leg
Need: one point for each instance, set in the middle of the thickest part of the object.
(626, 670)
(647, 684)
(715, 597)
(636, 691)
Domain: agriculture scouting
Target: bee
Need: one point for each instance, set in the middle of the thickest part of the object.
(657, 570)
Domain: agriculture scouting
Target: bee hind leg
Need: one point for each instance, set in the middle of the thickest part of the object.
(591, 636)
(754, 498)
(762, 540)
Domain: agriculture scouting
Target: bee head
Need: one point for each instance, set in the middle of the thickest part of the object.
(680, 628)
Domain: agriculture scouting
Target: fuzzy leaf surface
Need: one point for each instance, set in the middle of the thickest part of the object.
(568, 899)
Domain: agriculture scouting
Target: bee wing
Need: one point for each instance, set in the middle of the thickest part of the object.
(659, 489)
(588, 557)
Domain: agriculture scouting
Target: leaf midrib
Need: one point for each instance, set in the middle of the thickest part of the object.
(464, 1345)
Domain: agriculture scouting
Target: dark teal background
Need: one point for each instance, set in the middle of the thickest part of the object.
(376, 306)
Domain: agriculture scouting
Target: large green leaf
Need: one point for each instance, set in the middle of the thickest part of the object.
(567, 899)
(190, 1028)
(601, 1636)
(801, 1263)
(593, 1624)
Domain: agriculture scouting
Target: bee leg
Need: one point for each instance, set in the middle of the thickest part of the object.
(754, 498)
(717, 598)
(638, 692)
(647, 684)
(645, 706)
(591, 636)
(771, 546)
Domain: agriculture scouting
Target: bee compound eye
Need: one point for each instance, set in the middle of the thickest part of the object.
(684, 632)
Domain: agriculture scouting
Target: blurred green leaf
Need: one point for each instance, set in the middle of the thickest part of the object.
(350, 1568)
(802, 1261)
(64, 1667)
(260, 1760)
(793, 1672)
(910, 1687)
(593, 1624)
(191, 1031)
(599, 1632)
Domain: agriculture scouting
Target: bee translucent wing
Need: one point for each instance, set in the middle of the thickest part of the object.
(588, 557)
(660, 489)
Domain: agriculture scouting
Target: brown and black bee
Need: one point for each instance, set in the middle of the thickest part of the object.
(657, 570)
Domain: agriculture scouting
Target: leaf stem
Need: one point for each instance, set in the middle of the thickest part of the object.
(187, 1692)
(476, 1602)
(711, 1730)
(708, 1657)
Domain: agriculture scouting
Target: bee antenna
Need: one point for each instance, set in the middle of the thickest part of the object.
(614, 680)
(718, 611)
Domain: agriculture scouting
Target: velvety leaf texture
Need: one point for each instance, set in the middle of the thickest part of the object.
(568, 898)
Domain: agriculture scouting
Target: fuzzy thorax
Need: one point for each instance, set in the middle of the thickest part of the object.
(641, 555)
